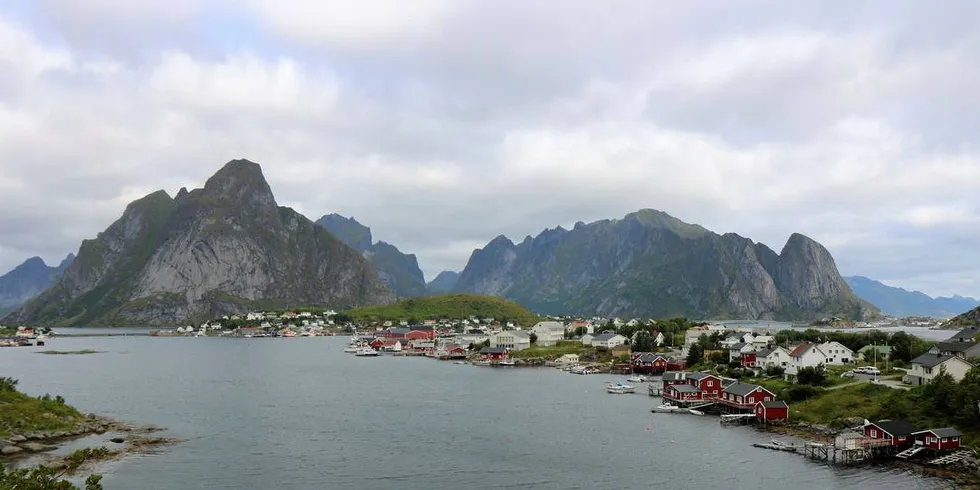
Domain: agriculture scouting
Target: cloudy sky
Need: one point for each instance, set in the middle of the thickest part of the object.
(443, 123)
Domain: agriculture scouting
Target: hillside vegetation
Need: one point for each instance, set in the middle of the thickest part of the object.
(20, 413)
(447, 307)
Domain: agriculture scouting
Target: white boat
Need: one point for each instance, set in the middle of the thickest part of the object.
(637, 379)
(351, 349)
(619, 388)
(365, 352)
(666, 408)
(507, 363)
(695, 412)
(459, 362)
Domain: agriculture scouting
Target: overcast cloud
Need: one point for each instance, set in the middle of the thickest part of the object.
(443, 123)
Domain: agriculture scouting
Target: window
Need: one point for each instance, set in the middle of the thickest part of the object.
(945, 440)
(874, 433)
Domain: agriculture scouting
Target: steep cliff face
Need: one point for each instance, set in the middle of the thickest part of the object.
(28, 280)
(222, 249)
(400, 271)
(652, 264)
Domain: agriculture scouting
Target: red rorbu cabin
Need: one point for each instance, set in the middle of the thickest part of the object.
(943, 439)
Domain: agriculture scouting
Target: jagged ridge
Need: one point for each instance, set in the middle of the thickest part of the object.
(652, 264)
(222, 249)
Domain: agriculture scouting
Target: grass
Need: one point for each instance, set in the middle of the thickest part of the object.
(69, 352)
(864, 400)
(553, 352)
(21, 413)
(7, 331)
(449, 306)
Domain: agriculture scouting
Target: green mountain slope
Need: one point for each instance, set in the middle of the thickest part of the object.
(450, 306)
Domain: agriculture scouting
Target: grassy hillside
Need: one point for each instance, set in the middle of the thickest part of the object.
(447, 306)
(966, 319)
(20, 413)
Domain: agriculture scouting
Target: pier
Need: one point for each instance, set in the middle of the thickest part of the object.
(849, 448)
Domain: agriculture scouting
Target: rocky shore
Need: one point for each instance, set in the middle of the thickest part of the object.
(123, 438)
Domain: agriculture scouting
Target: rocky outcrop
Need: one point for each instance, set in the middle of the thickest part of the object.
(400, 271)
(28, 280)
(652, 264)
(222, 249)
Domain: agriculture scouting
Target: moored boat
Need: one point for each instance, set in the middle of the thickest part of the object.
(619, 388)
(666, 408)
(366, 352)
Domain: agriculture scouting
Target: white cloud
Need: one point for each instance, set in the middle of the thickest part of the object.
(443, 124)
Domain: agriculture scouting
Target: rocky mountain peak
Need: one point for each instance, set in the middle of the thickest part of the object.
(240, 183)
(348, 230)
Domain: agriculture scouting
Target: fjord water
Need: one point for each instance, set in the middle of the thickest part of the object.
(301, 414)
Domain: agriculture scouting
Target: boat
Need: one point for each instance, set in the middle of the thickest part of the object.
(776, 446)
(666, 408)
(366, 352)
(637, 379)
(507, 363)
(619, 388)
(459, 362)
(351, 349)
(693, 411)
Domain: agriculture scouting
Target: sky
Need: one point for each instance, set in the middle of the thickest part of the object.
(444, 123)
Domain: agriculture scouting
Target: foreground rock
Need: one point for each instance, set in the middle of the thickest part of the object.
(10, 450)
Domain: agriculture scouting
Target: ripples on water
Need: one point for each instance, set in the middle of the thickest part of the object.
(301, 414)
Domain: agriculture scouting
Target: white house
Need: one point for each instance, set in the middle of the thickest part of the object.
(465, 339)
(587, 339)
(805, 355)
(928, 365)
(548, 333)
(736, 351)
(510, 339)
(568, 360)
(836, 353)
(608, 340)
(774, 357)
(762, 340)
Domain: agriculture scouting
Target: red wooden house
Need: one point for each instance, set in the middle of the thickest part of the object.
(394, 333)
(420, 335)
(745, 395)
(671, 378)
(648, 362)
(943, 439)
(683, 393)
(772, 410)
(898, 431)
(493, 353)
(676, 364)
(748, 360)
(710, 384)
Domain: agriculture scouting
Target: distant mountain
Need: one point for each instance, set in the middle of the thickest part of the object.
(652, 264)
(443, 283)
(223, 249)
(400, 271)
(28, 280)
(901, 303)
(966, 319)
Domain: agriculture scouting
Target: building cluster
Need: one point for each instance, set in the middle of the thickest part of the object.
(952, 356)
(699, 389)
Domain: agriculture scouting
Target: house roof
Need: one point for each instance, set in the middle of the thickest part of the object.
(550, 325)
(673, 376)
(884, 349)
(685, 388)
(931, 360)
(738, 346)
(775, 404)
(944, 432)
(646, 356)
(742, 388)
(956, 346)
(604, 337)
(399, 331)
(897, 427)
(697, 375)
(799, 350)
(764, 352)
(493, 350)
(966, 333)
(421, 327)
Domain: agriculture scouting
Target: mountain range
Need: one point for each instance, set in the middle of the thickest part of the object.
(27, 280)
(652, 264)
(222, 249)
(399, 271)
(443, 283)
(902, 303)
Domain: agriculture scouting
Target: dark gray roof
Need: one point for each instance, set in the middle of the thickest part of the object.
(742, 388)
(897, 427)
(399, 330)
(738, 346)
(493, 350)
(968, 334)
(775, 404)
(604, 337)
(685, 388)
(955, 346)
(764, 352)
(931, 360)
(646, 356)
(673, 376)
(697, 375)
(944, 432)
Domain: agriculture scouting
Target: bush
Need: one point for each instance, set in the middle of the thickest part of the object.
(775, 371)
(799, 393)
(813, 376)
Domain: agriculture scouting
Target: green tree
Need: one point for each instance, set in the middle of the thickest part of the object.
(812, 375)
(694, 355)
(644, 342)
(534, 338)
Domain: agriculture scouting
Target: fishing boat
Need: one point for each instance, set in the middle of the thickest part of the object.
(666, 408)
(619, 388)
(639, 378)
(507, 363)
(366, 352)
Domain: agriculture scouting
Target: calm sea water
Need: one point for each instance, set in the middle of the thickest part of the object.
(301, 414)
